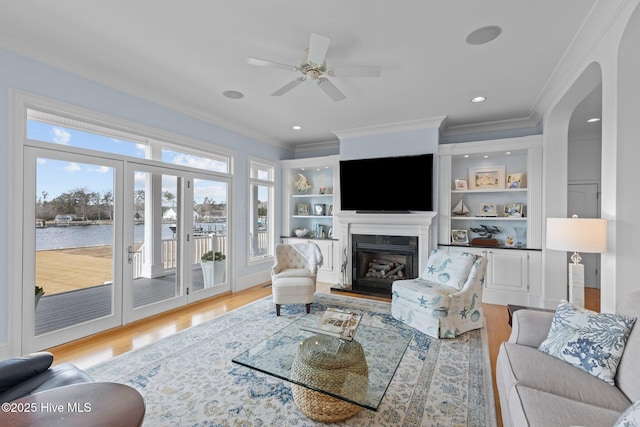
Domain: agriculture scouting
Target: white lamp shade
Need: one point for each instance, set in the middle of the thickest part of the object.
(577, 234)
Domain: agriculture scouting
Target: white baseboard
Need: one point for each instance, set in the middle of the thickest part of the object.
(251, 280)
(490, 296)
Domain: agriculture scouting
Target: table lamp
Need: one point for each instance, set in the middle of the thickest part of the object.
(577, 235)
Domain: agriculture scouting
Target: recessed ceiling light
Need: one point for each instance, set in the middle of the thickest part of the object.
(593, 120)
(478, 99)
(296, 127)
(508, 152)
(485, 156)
(484, 35)
(233, 94)
(466, 156)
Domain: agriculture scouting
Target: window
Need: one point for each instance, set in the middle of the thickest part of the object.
(96, 139)
(261, 215)
(209, 162)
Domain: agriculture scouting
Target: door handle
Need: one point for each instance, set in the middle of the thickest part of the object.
(130, 254)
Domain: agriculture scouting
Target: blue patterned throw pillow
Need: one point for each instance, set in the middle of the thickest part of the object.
(588, 340)
(630, 417)
(449, 268)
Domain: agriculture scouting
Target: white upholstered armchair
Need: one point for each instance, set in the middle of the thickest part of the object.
(293, 277)
(446, 300)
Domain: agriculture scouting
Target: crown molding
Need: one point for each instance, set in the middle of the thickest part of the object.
(317, 146)
(531, 121)
(427, 123)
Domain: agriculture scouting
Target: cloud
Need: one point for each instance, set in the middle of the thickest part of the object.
(73, 167)
(61, 136)
(199, 162)
(41, 161)
(102, 169)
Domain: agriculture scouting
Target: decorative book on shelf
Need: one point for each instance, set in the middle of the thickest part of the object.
(336, 323)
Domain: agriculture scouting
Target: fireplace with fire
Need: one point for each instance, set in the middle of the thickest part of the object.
(379, 260)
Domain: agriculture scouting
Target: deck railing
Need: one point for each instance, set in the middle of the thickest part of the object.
(201, 244)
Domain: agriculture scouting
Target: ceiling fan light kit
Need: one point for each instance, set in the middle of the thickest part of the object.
(314, 68)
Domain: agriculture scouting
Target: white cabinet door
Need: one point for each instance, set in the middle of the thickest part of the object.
(513, 276)
(508, 270)
(326, 247)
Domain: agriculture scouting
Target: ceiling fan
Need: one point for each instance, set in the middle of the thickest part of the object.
(314, 68)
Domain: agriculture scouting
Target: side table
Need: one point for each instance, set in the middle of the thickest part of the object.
(86, 404)
(511, 308)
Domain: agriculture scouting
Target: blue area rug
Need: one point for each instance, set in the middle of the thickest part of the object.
(188, 379)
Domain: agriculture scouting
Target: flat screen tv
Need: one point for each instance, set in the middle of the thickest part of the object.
(387, 184)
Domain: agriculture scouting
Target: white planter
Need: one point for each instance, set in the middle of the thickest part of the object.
(38, 296)
(213, 272)
(207, 273)
(219, 270)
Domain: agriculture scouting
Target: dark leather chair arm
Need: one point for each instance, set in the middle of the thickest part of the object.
(19, 369)
(58, 376)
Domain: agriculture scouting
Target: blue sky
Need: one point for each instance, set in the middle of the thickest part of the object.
(56, 177)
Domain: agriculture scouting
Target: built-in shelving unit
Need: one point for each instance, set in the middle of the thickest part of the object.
(312, 208)
(476, 175)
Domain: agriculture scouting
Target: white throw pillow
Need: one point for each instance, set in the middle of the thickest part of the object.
(593, 342)
(449, 268)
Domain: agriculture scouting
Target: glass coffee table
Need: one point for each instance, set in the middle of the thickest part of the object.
(331, 379)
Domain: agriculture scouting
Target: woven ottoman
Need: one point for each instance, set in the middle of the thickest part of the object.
(332, 365)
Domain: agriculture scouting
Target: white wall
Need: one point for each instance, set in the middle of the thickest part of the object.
(626, 134)
(584, 159)
(390, 144)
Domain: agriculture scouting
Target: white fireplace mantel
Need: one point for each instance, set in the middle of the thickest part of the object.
(389, 224)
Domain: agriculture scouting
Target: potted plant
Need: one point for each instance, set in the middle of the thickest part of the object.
(39, 293)
(213, 268)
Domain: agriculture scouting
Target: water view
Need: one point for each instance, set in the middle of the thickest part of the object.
(49, 238)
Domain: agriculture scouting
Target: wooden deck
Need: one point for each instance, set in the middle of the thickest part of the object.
(65, 309)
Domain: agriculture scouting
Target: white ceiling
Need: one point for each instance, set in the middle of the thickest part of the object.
(185, 54)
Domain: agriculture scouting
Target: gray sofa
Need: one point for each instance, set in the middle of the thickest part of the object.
(537, 389)
(26, 375)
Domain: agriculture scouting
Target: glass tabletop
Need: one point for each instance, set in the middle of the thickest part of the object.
(358, 372)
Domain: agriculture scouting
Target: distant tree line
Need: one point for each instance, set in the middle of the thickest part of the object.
(86, 205)
(91, 205)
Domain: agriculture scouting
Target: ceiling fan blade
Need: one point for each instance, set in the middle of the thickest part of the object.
(331, 90)
(286, 88)
(318, 46)
(356, 71)
(270, 64)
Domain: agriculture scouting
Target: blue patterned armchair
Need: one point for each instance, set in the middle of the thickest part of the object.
(446, 300)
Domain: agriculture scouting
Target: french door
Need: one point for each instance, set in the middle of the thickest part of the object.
(170, 229)
(112, 241)
(71, 246)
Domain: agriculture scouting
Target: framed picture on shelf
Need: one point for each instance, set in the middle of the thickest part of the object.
(514, 180)
(487, 209)
(490, 177)
(459, 237)
(513, 210)
(461, 184)
(303, 208)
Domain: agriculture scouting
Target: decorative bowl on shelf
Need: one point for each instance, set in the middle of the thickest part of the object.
(301, 232)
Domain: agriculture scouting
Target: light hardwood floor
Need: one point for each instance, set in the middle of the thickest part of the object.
(100, 347)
